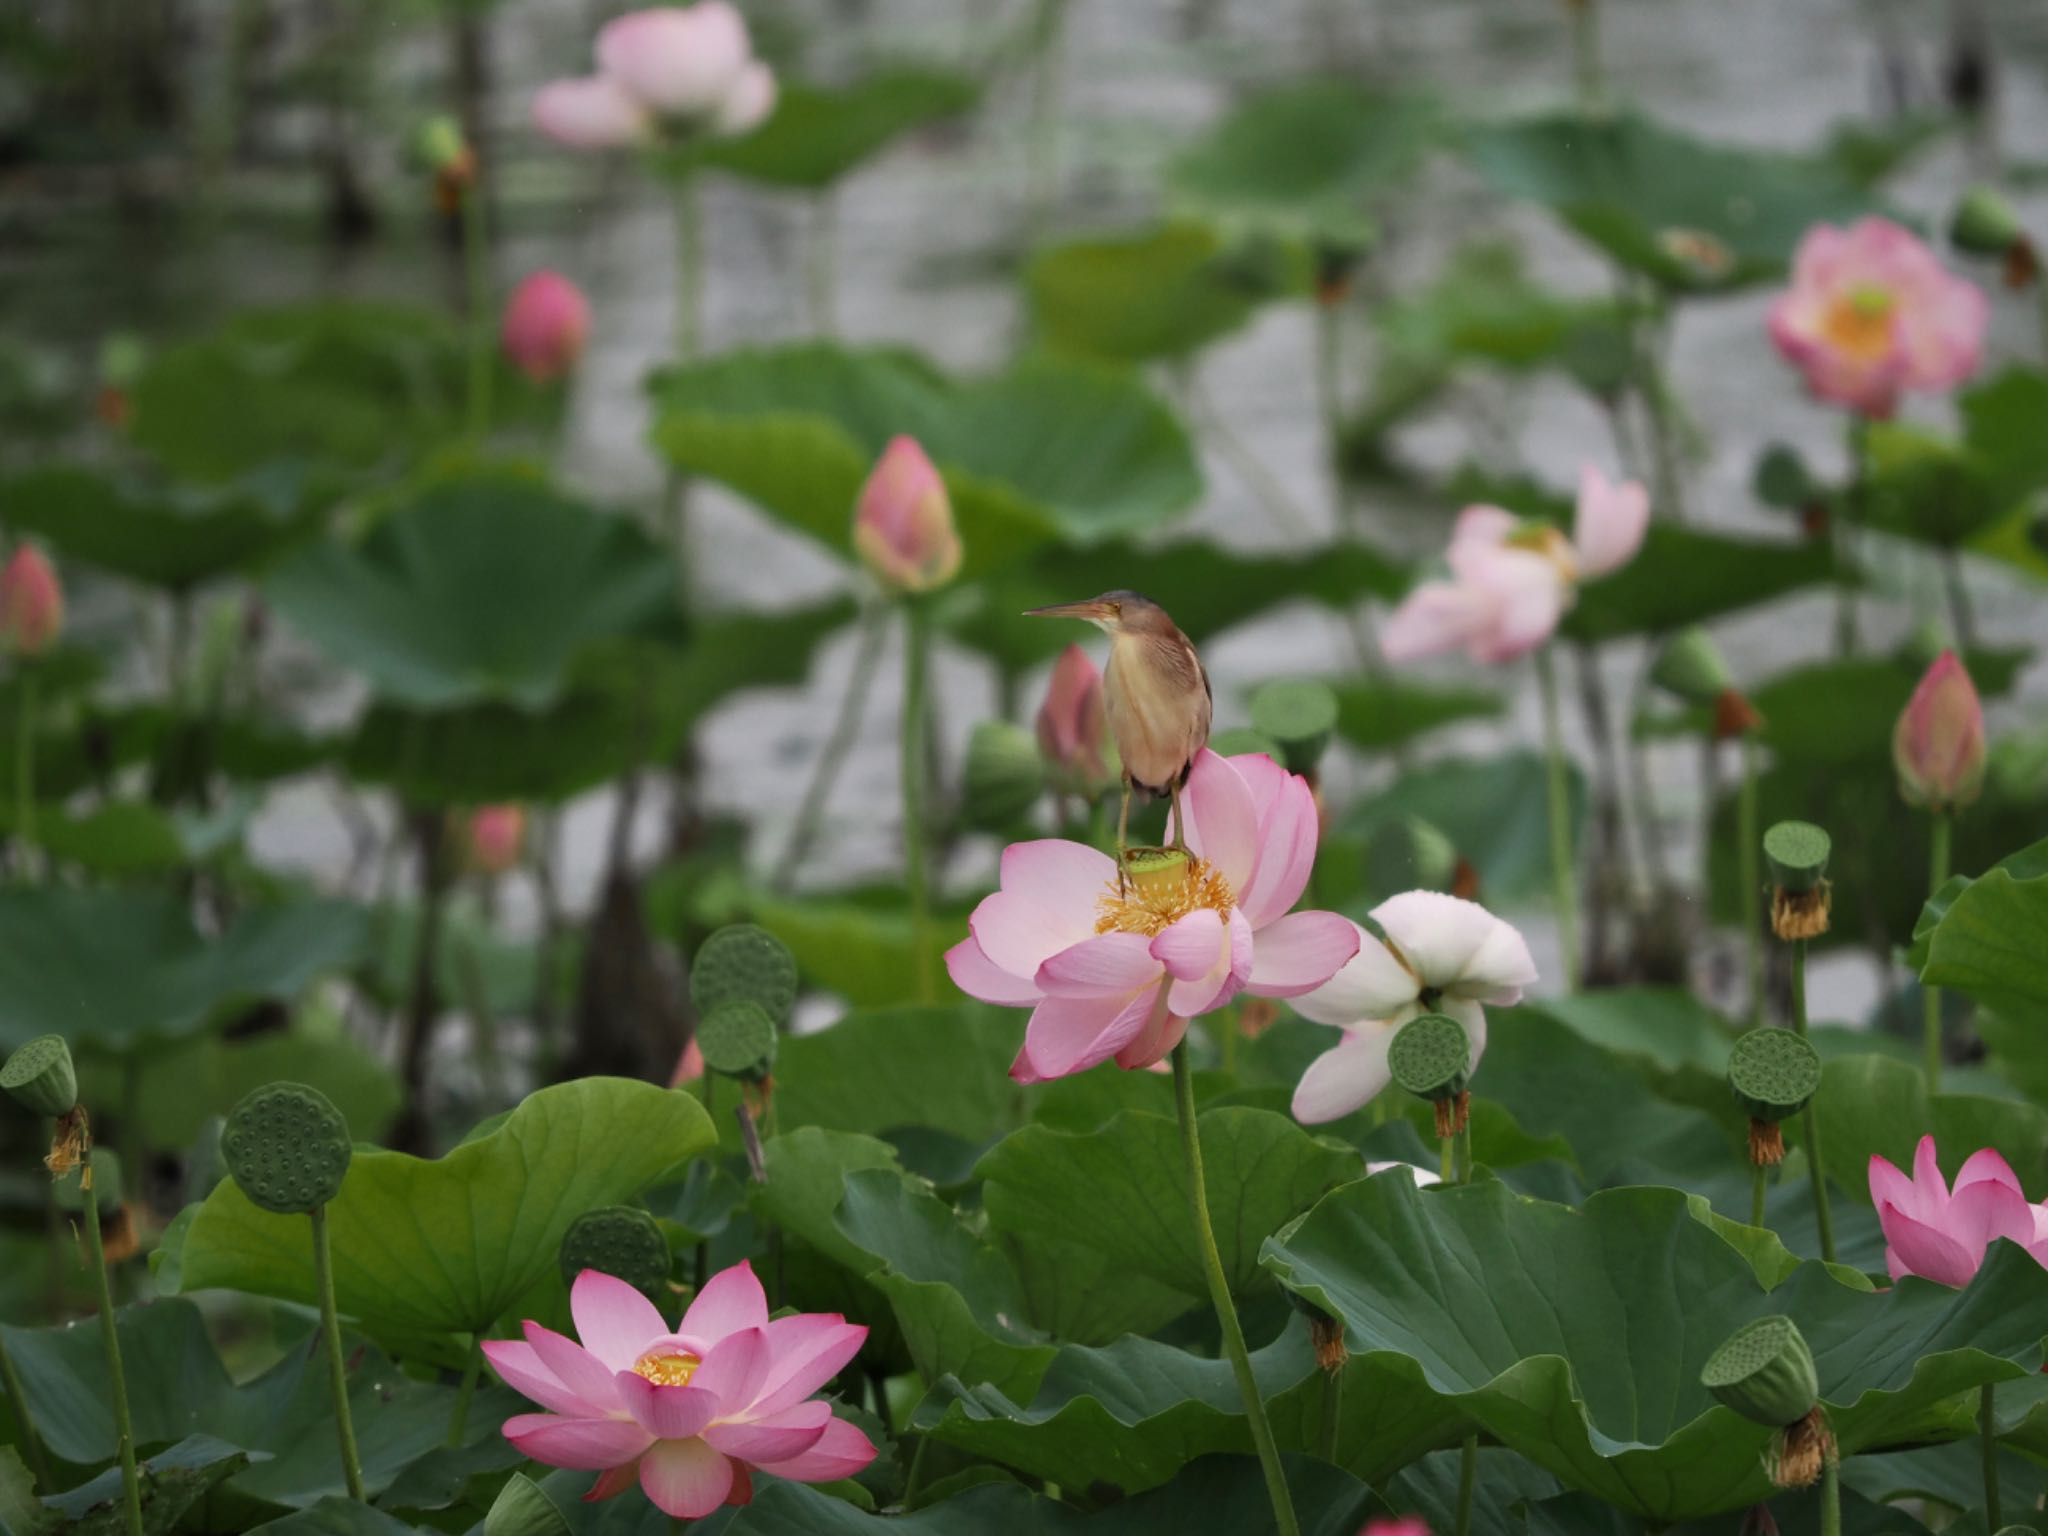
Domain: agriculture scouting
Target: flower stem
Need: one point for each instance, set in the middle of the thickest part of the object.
(1841, 530)
(1219, 1293)
(1810, 1120)
(1748, 842)
(458, 1418)
(25, 770)
(1561, 872)
(1447, 1160)
(916, 666)
(117, 1380)
(1830, 1498)
(1462, 1145)
(1987, 1433)
(1329, 397)
(1468, 1472)
(1756, 1195)
(838, 747)
(1586, 53)
(820, 250)
(38, 1458)
(1930, 997)
(476, 258)
(1333, 1413)
(689, 268)
(337, 1363)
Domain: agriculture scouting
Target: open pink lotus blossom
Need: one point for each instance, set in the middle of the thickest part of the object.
(1441, 954)
(496, 834)
(31, 602)
(692, 1412)
(1512, 582)
(1938, 744)
(1073, 726)
(681, 68)
(1872, 314)
(1110, 972)
(903, 522)
(547, 322)
(1940, 1233)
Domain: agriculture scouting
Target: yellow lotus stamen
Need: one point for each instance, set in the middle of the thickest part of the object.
(1860, 321)
(1159, 889)
(1552, 545)
(667, 1368)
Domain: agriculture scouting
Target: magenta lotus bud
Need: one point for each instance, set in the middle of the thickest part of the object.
(1938, 745)
(903, 523)
(1073, 726)
(547, 321)
(31, 602)
(496, 835)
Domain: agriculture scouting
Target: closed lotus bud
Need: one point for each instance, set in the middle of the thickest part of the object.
(1073, 727)
(440, 145)
(1004, 774)
(1690, 667)
(547, 322)
(31, 602)
(1764, 1371)
(40, 1078)
(1984, 223)
(1938, 745)
(903, 523)
(496, 833)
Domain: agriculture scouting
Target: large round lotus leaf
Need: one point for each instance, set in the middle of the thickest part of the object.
(1045, 452)
(1306, 161)
(1693, 215)
(447, 1245)
(478, 590)
(818, 133)
(120, 969)
(1577, 1336)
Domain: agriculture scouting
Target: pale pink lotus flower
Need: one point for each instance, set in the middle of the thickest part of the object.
(496, 833)
(1512, 582)
(1073, 726)
(1938, 744)
(1110, 972)
(749, 104)
(1871, 314)
(592, 112)
(689, 1065)
(682, 69)
(903, 521)
(691, 1412)
(31, 602)
(1941, 1234)
(1441, 954)
(546, 323)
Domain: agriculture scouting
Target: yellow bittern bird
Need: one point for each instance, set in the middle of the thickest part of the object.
(1155, 694)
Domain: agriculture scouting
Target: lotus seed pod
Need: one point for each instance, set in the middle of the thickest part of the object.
(1241, 741)
(287, 1147)
(737, 1038)
(743, 963)
(1300, 716)
(41, 1077)
(1773, 1073)
(1764, 1371)
(620, 1240)
(1409, 854)
(1797, 852)
(1005, 774)
(1984, 223)
(1690, 667)
(1431, 1056)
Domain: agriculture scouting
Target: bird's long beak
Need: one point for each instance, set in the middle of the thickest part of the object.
(1094, 610)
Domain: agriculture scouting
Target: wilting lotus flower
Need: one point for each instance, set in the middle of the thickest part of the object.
(31, 602)
(1871, 314)
(1073, 727)
(1938, 744)
(903, 523)
(693, 1412)
(1511, 582)
(496, 834)
(1942, 1234)
(1110, 972)
(1442, 954)
(547, 321)
(688, 69)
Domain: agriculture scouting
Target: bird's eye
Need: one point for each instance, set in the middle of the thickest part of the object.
(1117, 609)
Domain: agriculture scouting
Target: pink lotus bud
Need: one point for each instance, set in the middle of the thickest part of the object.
(1938, 744)
(496, 834)
(547, 321)
(1073, 726)
(689, 1065)
(1406, 1525)
(680, 61)
(749, 104)
(31, 602)
(903, 523)
(592, 112)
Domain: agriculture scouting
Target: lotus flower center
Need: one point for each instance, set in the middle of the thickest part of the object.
(1544, 540)
(1860, 321)
(1161, 887)
(667, 1368)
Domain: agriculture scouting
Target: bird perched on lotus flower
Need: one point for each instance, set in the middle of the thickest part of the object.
(1155, 693)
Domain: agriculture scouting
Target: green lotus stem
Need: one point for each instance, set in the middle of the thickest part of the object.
(1840, 529)
(1329, 396)
(1960, 617)
(1830, 1498)
(1468, 1473)
(1657, 400)
(458, 1418)
(1561, 873)
(853, 708)
(1462, 1143)
(1447, 1160)
(1586, 75)
(1987, 1435)
(117, 1380)
(1810, 1119)
(476, 257)
(337, 1362)
(689, 269)
(821, 247)
(1930, 997)
(1748, 841)
(1044, 142)
(1219, 1293)
(38, 1458)
(916, 667)
(1333, 1413)
(25, 768)
(1756, 1195)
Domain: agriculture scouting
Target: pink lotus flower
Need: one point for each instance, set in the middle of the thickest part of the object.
(547, 322)
(903, 522)
(31, 602)
(689, 1065)
(1938, 744)
(1073, 726)
(1511, 583)
(685, 69)
(693, 1412)
(1871, 314)
(1441, 954)
(1941, 1234)
(1404, 1525)
(1111, 972)
(496, 834)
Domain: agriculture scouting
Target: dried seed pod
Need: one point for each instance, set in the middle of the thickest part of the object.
(738, 1039)
(288, 1148)
(741, 962)
(620, 1240)
(41, 1078)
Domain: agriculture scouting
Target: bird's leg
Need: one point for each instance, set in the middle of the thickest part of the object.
(1180, 831)
(1123, 829)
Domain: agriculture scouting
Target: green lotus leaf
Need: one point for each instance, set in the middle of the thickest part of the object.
(2030, 863)
(1992, 944)
(1379, 713)
(1165, 293)
(172, 1482)
(1879, 1105)
(819, 133)
(450, 1244)
(945, 1067)
(1688, 576)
